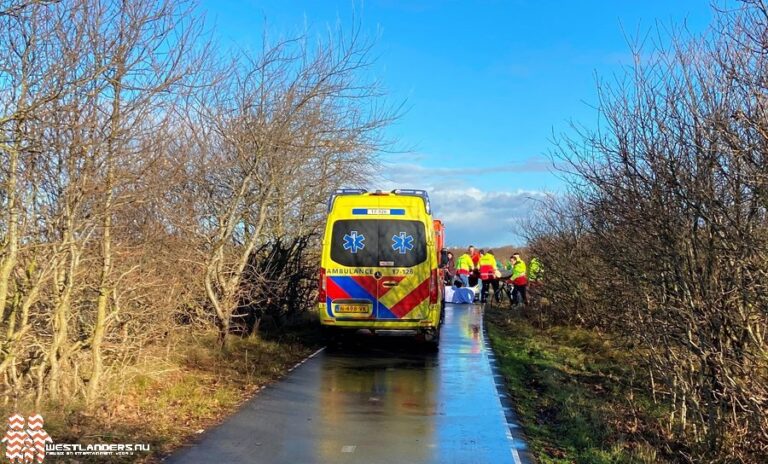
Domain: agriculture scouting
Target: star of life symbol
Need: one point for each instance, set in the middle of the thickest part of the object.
(25, 446)
(402, 243)
(354, 241)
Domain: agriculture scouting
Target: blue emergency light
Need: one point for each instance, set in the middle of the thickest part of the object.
(359, 191)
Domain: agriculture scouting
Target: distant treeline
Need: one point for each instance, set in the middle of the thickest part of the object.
(663, 237)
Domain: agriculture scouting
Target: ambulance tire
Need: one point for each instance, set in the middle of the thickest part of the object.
(432, 339)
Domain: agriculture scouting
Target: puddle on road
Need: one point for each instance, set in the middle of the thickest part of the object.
(376, 400)
(412, 396)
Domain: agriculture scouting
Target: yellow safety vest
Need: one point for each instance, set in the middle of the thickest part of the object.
(464, 265)
(487, 265)
(519, 276)
(534, 270)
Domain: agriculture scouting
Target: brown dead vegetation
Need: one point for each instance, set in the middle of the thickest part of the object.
(663, 238)
(152, 189)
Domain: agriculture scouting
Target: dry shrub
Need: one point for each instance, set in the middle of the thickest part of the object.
(664, 235)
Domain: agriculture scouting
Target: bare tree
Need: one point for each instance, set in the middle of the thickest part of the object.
(36, 64)
(145, 188)
(272, 139)
(138, 89)
(669, 201)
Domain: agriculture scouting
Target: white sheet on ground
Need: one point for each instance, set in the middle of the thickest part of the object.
(459, 295)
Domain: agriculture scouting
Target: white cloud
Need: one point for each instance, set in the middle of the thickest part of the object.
(405, 169)
(471, 215)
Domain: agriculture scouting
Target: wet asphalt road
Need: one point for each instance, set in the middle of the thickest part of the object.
(378, 401)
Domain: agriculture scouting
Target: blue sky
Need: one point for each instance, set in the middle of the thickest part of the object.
(486, 83)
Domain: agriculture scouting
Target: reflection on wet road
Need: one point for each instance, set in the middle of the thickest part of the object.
(377, 401)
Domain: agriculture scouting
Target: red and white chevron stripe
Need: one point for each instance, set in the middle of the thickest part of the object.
(14, 447)
(16, 422)
(15, 441)
(39, 435)
(35, 422)
(39, 442)
(15, 435)
(25, 446)
(18, 446)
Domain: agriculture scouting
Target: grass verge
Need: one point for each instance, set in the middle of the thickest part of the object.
(576, 393)
(172, 393)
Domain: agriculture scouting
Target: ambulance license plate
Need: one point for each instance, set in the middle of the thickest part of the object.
(352, 308)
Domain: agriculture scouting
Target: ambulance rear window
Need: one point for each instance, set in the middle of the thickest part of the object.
(378, 243)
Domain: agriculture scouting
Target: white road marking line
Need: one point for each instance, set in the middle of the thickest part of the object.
(305, 359)
(502, 394)
(316, 353)
(348, 448)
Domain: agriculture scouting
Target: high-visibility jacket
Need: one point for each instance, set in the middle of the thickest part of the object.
(519, 273)
(464, 265)
(487, 264)
(534, 270)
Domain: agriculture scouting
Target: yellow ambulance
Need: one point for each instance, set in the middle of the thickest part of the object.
(379, 265)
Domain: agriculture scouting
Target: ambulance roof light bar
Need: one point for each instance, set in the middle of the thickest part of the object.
(344, 191)
(416, 193)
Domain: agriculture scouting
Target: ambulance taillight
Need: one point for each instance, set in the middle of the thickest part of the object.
(321, 288)
(433, 289)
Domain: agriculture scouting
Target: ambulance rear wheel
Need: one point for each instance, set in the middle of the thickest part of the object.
(432, 338)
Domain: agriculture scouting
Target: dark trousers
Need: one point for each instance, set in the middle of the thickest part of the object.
(519, 294)
(487, 284)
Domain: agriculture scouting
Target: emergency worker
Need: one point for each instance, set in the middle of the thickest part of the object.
(464, 267)
(535, 277)
(534, 270)
(450, 268)
(475, 280)
(519, 280)
(473, 254)
(488, 268)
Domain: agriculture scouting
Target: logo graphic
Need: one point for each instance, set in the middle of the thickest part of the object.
(354, 242)
(25, 446)
(31, 446)
(402, 243)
